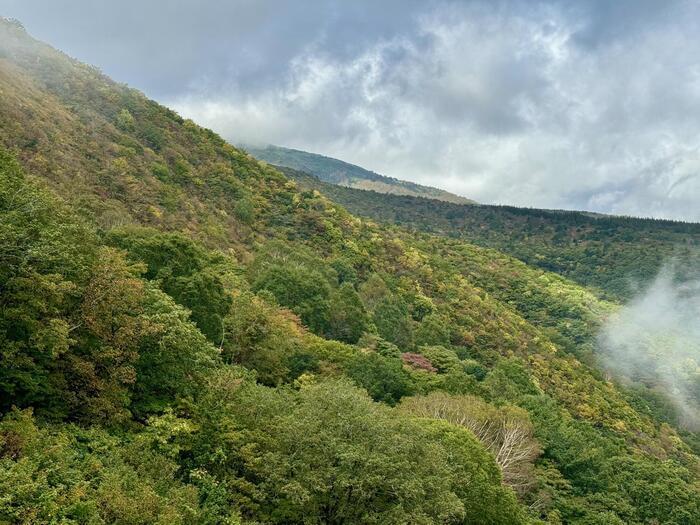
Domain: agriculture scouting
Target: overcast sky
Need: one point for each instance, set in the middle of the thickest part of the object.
(561, 104)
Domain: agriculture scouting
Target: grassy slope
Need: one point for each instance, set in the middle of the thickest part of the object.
(67, 124)
(349, 175)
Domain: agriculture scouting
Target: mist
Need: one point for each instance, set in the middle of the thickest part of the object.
(655, 340)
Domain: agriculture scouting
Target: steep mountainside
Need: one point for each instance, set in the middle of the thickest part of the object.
(344, 174)
(614, 255)
(186, 336)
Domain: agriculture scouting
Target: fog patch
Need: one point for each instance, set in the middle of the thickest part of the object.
(655, 340)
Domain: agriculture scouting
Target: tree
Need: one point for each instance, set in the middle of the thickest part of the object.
(393, 322)
(70, 474)
(505, 431)
(260, 337)
(348, 318)
(373, 342)
(184, 269)
(174, 356)
(443, 359)
(384, 378)
(328, 453)
(508, 381)
(373, 290)
(433, 330)
(110, 329)
(125, 120)
(46, 254)
(245, 210)
(300, 288)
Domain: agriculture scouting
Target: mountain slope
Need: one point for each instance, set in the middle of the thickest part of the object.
(345, 174)
(165, 292)
(617, 256)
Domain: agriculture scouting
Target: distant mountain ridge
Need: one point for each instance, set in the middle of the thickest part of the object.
(349, 175)
(611, 254)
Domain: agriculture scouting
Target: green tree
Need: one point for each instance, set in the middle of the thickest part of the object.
(245, 210)
(185, 270)
(100, 373)
(125, 120)
(300, 288)
(393, 322)
(76, 475)
(46, 254)
(260, 337)
(330, 453)
(444, 359)
(348, 318)
(174, 356)
(384, 378)
(433, 330)
(373, 290)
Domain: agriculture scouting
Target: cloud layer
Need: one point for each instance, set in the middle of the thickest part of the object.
(557, 103)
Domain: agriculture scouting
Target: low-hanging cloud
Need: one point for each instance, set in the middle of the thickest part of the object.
(552, 103)
(655, 340)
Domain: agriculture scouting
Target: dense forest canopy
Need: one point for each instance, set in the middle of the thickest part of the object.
(615, 256)
(189, 336)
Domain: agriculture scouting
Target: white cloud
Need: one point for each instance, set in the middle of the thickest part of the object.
(655, 340)
(499, 104)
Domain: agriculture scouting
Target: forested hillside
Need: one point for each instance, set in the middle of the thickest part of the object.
(349, 175)
(187, 336)
(616, 256)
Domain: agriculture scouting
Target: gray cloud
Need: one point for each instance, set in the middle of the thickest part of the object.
(170, 47)
(557, 103)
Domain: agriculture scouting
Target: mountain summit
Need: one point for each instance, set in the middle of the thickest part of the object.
(345, 174)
